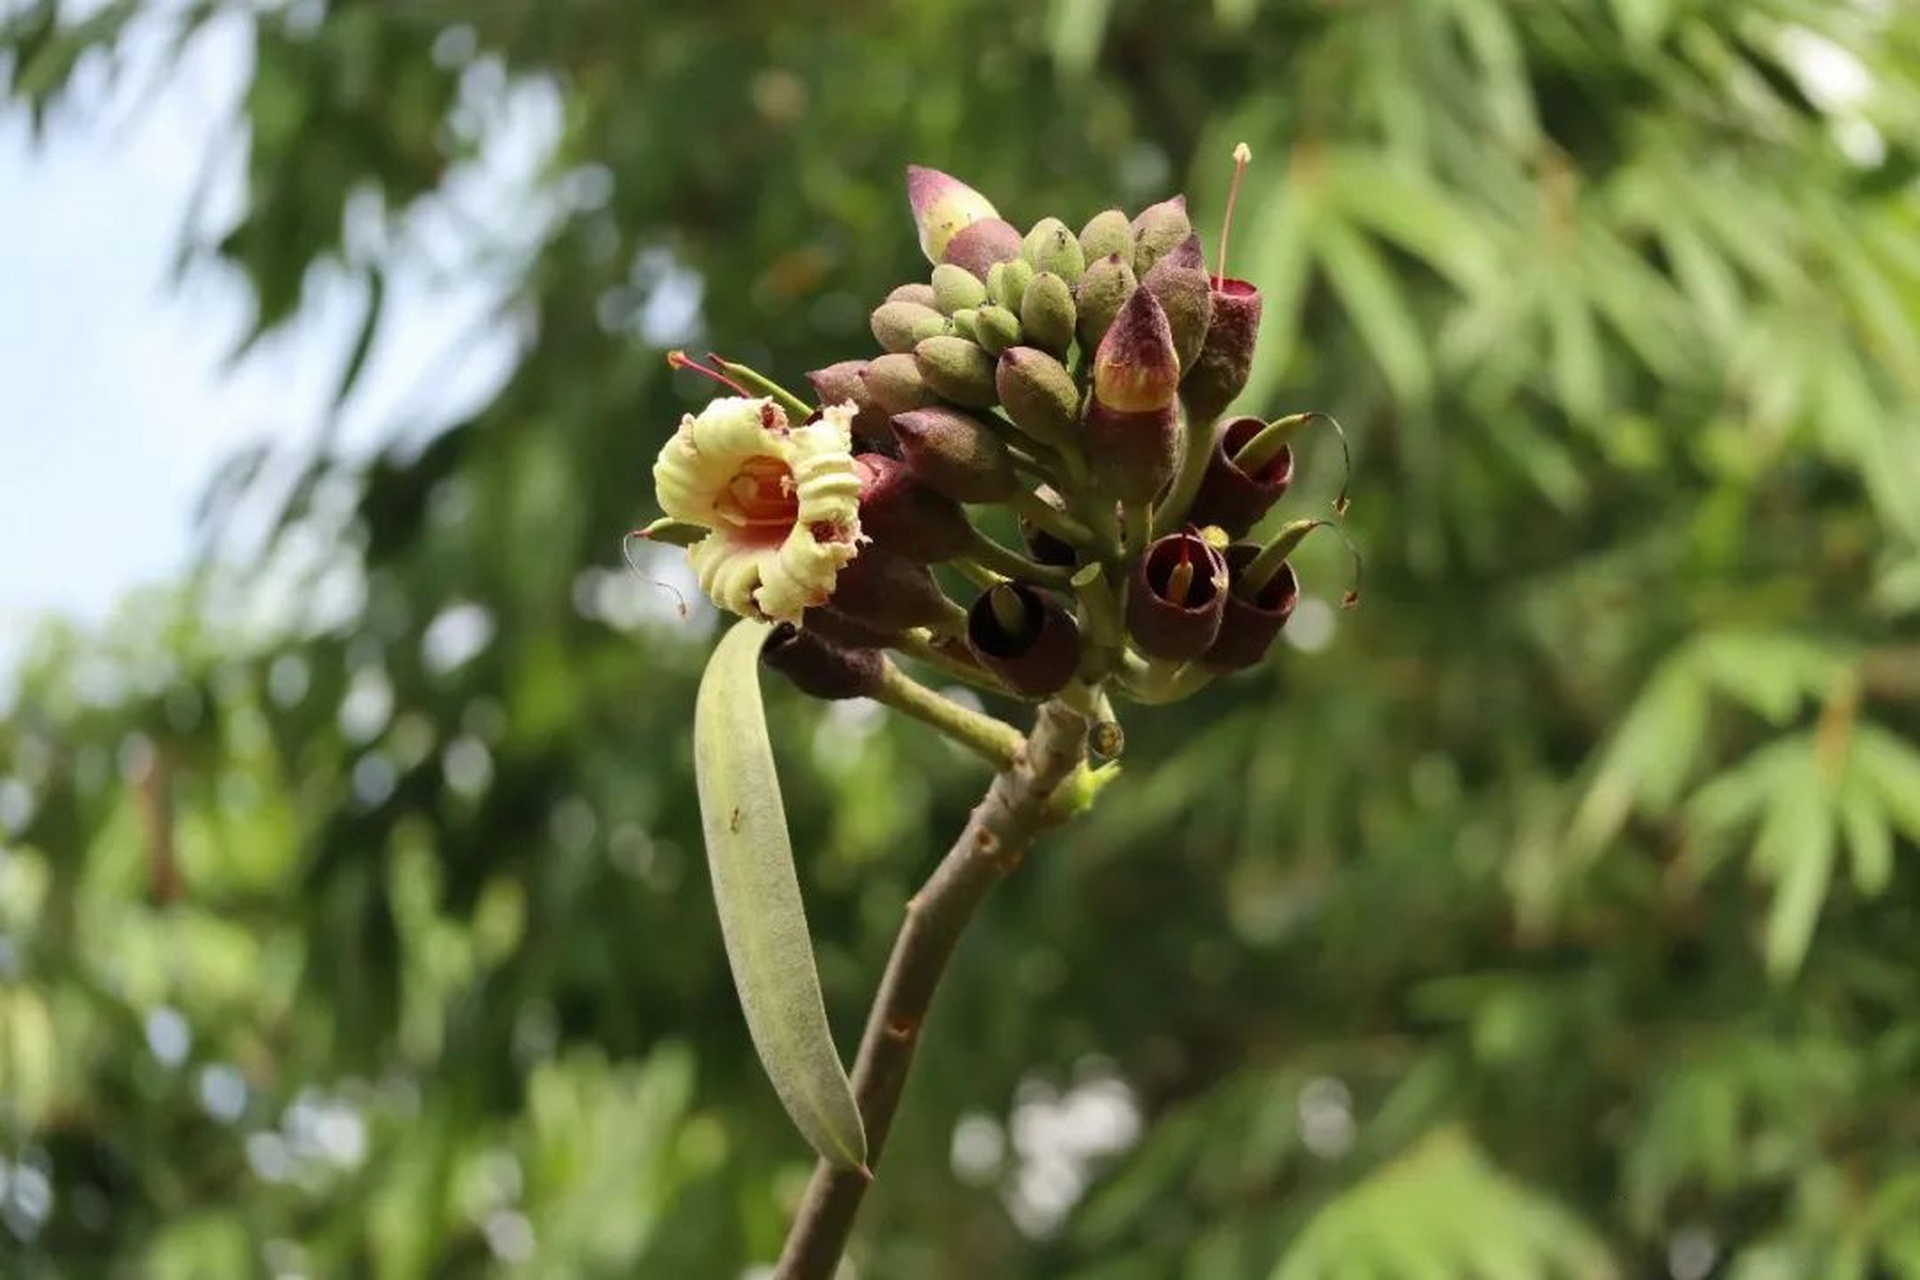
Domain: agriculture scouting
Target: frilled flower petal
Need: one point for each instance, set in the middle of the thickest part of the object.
(782, 501)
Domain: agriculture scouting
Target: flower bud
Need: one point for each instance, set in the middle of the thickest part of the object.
(957, 370)
(963, 324)
(1132, 456)
(1136, 368)
(997, 329)
(1226, 356)
(894, 385)
(1232, 496)
(979, 246)
(890, 593)
(1042, 546)
(830, 624)
(1052, 246)
(1105, 234)
(913, 291)
(1179, 593)
(845, 382)
(819, 667)
(1104, 289)
(1025, 638)
(1038, 394)
(1158, 229)
(942, 207)
(1253, 615)
(1047, 313)
(897, 326)
(1185, 293)
(903, 515)
(957, 454)
(1007, 282)
(955, 288)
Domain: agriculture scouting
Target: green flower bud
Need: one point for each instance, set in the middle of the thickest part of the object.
(957, 370)
(997, 328)
(1104, 289)
(956, 454)
(956, 287)
(894, 385)
(1157, 230)
(898, 325)
(1038, 394)
(1105, 234)
(1186, 295)
(914, 291)
(1052, 246)
(1007, 282)
(982, 244)
(1047, 313)
(942, 207)
(964, 324)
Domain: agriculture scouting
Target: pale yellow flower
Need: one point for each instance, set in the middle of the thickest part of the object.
(782, 501)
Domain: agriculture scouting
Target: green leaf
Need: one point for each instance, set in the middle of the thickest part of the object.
(758, 894)
(1796, 841)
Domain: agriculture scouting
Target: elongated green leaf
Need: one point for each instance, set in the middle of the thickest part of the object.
(758, 894)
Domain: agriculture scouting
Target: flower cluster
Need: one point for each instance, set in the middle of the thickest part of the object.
(1080, 382)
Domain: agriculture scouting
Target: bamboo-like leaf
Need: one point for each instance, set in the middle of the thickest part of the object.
(758, 894)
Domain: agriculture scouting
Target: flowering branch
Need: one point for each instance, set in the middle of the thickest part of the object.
(997, 835)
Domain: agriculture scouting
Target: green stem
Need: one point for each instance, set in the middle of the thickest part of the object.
(765, 386)
(917, 645)
(1003, 560)
(1043, 516)
(988, 738)
(1161, 682)
(1186, 481)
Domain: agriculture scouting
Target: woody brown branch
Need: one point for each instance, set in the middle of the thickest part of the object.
(996, 837)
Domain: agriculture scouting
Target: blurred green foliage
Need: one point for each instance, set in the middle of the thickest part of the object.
(1553, 913)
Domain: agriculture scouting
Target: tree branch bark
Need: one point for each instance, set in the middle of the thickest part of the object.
(997, 835)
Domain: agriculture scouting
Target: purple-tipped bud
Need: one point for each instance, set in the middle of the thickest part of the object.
(1025, 638)
(1232, 496)
(1226, 357)
(1038, 394)
(914, 291)
(1136, 368)
(979, 246)
(893, 385)
(957, 369)
(905, 516)
(1253, 616)
(1132, 455)
(887, 592)
(943, 206)
(1104, 289)
(846, 381)
(1047, 313)
(956, 454)
(1106, 233)
(1185, 293)
(821, 668)
(1042, 546)
(1158, 231)
(1179, 593)
(897, 326)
